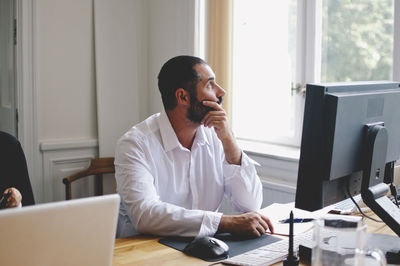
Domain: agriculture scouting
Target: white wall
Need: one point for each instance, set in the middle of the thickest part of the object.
(65, 70)
(133, 40)
(95, 66)
(172, 32)
(66, 119)
(121, 31)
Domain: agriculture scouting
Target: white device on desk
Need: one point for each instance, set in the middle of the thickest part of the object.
(74, 232)
(270, 254)
(347, 206)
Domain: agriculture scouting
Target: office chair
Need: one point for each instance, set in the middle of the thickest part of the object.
(13, 168)
(97, 167)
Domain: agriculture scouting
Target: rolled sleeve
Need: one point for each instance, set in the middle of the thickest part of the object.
(243, 186)
(210, 223)
(246, 167)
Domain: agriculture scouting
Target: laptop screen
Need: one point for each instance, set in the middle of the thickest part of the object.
(75, 232)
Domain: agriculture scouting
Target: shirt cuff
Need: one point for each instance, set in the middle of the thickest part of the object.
(210, 223)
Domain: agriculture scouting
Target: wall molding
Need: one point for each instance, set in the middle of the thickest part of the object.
(62, 158)
(68, 144)
(276, 169)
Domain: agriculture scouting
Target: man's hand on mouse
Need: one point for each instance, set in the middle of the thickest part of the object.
(251, 224)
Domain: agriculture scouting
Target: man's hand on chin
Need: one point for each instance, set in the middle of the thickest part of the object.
(219, 120)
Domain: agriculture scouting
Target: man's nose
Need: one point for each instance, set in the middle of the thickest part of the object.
(220, 91)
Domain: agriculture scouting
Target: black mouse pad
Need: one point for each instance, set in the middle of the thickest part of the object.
(236, 245)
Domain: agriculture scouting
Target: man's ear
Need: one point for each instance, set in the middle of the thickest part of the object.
(182, 96)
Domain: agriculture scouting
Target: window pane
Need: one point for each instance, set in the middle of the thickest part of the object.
(264, 54)
(357, 40)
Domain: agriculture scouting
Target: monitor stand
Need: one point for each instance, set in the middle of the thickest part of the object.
(373, 189)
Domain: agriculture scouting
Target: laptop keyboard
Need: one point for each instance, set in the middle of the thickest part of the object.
(271, 253)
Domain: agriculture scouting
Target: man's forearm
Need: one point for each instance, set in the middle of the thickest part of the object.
(233, 153)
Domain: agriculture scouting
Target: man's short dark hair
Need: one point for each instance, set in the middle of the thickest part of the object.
(178, 72)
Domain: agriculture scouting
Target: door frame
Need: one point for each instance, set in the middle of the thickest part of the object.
(26, 90)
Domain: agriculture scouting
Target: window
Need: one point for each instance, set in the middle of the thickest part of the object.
(280, 44)
(264, 63)
(357, 40)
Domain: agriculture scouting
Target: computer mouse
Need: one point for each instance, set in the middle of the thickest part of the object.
(207, 248)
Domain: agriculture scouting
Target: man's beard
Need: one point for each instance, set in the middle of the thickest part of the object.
(197, 110)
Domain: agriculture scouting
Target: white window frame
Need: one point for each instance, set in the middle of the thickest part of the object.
(308, 70)
(396, 42)
(310, 12)
(279, 162)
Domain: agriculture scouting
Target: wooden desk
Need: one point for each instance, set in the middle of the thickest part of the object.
(145, 250)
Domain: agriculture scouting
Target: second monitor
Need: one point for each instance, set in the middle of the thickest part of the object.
(351, 131)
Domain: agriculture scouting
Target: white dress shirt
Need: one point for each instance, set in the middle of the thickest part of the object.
(167, 189)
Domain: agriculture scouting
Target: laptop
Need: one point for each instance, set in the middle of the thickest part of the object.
(74, 232)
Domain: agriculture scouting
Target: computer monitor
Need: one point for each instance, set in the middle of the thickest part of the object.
(351, 133)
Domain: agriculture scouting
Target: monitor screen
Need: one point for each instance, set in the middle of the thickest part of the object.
(333, 146)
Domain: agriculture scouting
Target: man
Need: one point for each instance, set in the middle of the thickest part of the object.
(174, 168)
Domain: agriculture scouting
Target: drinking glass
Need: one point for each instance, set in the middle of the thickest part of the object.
(341, 241)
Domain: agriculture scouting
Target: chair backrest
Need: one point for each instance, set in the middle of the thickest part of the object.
(97, 167)
(13, 168)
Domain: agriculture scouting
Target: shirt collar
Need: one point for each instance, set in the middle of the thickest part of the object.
(169, 138)
(201, 137)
